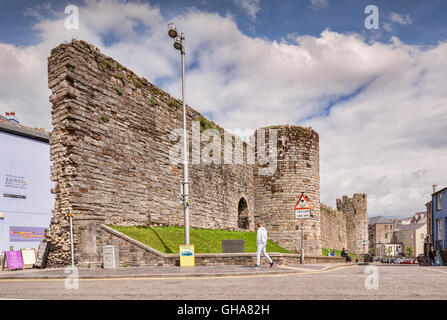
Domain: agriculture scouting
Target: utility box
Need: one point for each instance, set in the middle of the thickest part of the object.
(233, 246)
(110, 255)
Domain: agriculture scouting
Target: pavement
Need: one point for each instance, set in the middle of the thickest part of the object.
(168, 271)
(344, 281)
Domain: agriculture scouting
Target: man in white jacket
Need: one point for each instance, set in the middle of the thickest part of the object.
(261, 242)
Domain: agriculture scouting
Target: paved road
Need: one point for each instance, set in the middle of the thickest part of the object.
(347, 282)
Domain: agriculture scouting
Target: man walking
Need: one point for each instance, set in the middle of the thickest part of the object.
(432, 256)
(261, 242)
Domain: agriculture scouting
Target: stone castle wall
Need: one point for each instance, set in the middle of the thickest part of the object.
(355, 209)
(111, 146)
(297, 171)
(110, 150)
(333, 228)
(347, 226)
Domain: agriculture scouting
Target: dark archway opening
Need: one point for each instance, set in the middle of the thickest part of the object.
(242, 221)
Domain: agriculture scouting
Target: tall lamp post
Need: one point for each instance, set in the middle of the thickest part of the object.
(179, 44)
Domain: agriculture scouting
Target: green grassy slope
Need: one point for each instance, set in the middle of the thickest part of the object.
(168, 239)
(337, 253)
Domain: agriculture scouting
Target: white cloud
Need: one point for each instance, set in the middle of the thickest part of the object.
(388, 26)
(249, 7)
(385, 134)
(400, 18)
(24, 84)
(319, 4)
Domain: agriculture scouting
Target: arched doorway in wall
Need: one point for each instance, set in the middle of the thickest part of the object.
(242, 214)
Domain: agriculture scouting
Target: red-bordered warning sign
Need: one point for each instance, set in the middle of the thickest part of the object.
(302, 204)
(302, 208)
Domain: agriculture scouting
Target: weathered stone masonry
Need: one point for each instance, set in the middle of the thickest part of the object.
(345, 227)
(110, 151)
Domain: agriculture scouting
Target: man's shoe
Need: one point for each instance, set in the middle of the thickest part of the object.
(256, 266)
(271, 264)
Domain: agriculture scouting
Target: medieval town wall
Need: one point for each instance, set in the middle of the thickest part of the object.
(111, 149)
(355, 209)
(297, 171)
(333, 228)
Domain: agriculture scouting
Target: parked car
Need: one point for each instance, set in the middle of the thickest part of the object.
(377, 258)
(387, 260)
(420, 258)
(406, 261)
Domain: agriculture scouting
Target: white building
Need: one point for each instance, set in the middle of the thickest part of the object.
(26, 202)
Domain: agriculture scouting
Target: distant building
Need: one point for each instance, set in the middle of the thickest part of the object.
(439, 210)
(392, 236)
(26, 201)
(419, 217)
(393, 249)
(405, 221)
(411, 235)
(380, 233)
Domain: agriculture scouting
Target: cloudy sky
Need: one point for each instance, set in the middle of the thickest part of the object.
(378, 98)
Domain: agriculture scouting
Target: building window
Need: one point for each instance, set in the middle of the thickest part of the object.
(386, 227)
(386, 235)
(422, 236)
(440, 231)
(411, 236)
(439, 204)
(391, 227)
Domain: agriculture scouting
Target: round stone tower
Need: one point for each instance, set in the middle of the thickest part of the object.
(276, 191)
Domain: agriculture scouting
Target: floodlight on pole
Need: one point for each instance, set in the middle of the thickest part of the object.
(172, 31)
(179, 44)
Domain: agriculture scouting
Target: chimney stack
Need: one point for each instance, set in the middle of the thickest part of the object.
(434, 187)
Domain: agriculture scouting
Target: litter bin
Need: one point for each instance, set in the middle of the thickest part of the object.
(110, 255)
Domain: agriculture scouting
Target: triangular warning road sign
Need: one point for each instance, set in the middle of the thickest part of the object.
(302, 203)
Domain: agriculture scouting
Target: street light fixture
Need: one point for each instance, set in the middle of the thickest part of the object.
(172, 30)
(179, 44)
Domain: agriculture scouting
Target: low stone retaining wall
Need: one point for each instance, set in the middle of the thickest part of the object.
(133, 253)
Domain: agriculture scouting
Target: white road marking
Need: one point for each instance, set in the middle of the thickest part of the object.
(432, 269)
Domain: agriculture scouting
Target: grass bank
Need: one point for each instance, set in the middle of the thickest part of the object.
(338, 253)
(168, 239)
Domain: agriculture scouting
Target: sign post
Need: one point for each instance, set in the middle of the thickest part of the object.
(70, 215)
(302, 211)
(302, 243)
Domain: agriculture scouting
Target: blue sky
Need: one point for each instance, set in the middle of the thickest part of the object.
(377, 98)
(274, 20)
